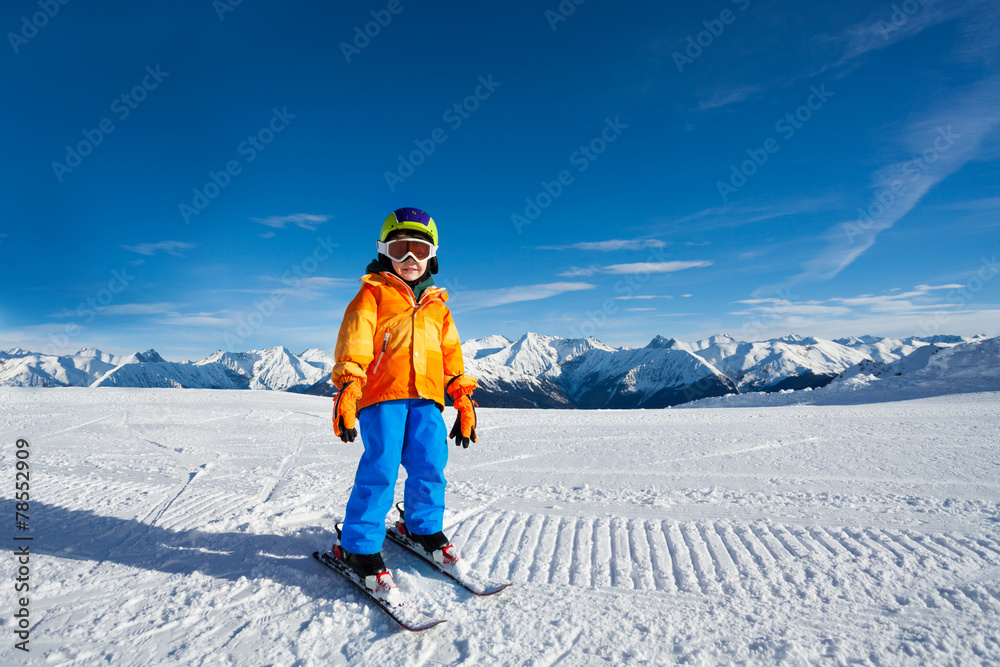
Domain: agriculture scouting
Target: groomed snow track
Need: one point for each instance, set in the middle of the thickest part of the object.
(176, 526)
(892, 568)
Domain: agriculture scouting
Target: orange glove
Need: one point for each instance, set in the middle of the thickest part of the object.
(345, 411)
(464, 429)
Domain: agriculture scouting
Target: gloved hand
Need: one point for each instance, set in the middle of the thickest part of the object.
(345, 411)
(464, 429)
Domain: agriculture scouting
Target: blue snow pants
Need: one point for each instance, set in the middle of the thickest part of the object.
(410, 432)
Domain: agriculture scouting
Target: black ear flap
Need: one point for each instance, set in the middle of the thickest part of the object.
(433, 265)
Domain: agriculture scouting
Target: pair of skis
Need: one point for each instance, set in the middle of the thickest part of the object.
(406, 615)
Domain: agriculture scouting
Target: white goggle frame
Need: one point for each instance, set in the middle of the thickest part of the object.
(383, 247)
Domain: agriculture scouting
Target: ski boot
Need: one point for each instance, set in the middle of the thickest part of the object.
(370, 570)
(437, 546)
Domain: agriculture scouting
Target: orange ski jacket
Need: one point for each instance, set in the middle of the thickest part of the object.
(395, 347)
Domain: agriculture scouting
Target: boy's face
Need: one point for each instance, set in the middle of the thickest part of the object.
(410, 269)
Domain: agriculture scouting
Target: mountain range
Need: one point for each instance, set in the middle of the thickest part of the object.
(534, 371)
(550, 372)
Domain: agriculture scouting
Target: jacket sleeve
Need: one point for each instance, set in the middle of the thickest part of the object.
(456, 382)
(355, 343)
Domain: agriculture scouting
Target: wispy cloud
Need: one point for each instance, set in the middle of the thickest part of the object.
(579, 272)
(609, 246)
(900, 302)
(921, 310)
(139, 308)
(316, 287)
(894, 25)
(740, 214)
(312, 287)
(170, 247)
(634, 268)
(726, 96)
(303, 220)
(655, 267)
(940, 145)
(984, 204)
(124, 309)
(790, 308)
(932, 147)
(475, 299)
(203, 319)
(642, 297)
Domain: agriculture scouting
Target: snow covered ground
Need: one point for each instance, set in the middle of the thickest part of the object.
(174, 527)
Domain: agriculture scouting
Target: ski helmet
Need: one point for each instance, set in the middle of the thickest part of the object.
(409, 218)
(412, 219)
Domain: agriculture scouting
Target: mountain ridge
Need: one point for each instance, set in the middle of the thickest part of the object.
(534, 371)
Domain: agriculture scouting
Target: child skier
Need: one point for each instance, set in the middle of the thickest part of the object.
(397, 355)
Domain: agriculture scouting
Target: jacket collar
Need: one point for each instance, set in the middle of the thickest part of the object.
(390, 279)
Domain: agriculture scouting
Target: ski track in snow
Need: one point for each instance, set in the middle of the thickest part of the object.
(176, 525)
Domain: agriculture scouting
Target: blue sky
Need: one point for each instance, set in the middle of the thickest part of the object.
(201, 175)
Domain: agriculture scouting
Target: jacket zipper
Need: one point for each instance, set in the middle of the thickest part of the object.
(385, 343)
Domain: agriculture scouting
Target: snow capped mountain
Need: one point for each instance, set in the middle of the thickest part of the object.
(147, 357)
(168, 374)
(241, 362)
(930, 370)
(501, 385)
(915, 360)
(275, 368)
(279, 369)
(791, 362)
(318, 358)
(888, 350)
(473, 349)
(20, 368)
(644, 378)
(547, 371)
(974, 363)
(978, 360)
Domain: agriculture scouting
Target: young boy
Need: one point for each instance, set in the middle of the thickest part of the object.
(397, 354)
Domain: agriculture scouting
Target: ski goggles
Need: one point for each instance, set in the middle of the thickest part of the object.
(399, 249)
